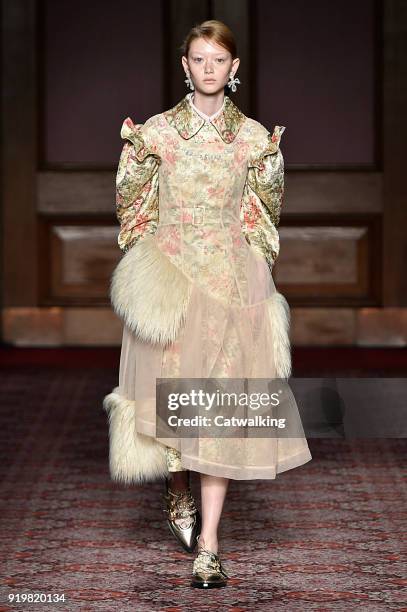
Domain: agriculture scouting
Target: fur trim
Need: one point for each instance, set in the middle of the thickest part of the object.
(133, 457)
(279, 312)
(150, 293)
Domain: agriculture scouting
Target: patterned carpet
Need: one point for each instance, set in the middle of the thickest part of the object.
(325, 536)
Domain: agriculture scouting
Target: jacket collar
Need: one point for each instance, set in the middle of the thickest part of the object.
(188, 122)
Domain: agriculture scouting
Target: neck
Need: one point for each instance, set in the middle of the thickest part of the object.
(208, 104)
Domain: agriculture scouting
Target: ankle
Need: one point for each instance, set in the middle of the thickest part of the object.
(208, 542)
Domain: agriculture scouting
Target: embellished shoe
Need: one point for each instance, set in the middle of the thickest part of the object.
(184, 519)
(207, 571)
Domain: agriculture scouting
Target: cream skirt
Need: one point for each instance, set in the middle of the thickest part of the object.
(218, 340)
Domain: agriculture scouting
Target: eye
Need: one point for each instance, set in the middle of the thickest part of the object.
(197, 59)
(221, 60)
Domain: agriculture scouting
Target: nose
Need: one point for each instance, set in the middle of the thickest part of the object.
(208, 66)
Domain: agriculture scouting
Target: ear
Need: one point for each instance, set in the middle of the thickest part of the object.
(185, 63)
(235, 64)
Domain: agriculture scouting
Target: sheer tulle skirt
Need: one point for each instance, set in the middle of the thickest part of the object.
(237, 335)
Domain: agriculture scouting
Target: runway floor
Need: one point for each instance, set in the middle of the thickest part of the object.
(326, 536)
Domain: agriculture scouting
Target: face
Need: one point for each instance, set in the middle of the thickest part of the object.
(209, 65)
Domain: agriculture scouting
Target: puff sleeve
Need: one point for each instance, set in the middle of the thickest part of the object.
(136, 186)
(263, 195)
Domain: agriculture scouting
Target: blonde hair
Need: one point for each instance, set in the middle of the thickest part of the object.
(212, 30)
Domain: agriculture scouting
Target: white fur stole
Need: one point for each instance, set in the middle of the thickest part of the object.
(149, 293)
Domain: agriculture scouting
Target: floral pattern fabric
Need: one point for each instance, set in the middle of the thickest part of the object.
(256, 156)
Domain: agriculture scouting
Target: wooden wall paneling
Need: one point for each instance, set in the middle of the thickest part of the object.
(62, 326)
(330, 260)
(19, 130)
(332, 192)
(322, 90)
(394, 153)
(99, 62)
(76, 192)
(55, 293)
(77, 256)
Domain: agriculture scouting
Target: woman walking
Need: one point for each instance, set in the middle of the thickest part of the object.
(199, 194)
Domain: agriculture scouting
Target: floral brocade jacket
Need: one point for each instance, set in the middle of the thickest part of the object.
(152, 152)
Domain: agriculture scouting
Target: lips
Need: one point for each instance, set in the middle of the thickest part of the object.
(209, 80)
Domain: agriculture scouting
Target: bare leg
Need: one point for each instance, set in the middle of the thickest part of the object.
(213, 493)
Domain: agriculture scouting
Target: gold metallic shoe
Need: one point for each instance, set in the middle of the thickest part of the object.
(207, 571)
(184, 519)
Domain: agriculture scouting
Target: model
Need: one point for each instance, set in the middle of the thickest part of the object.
(199, 194)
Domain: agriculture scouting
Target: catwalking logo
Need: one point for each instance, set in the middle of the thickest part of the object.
(222, 421)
